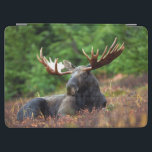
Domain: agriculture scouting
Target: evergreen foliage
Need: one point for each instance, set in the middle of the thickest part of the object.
(25, 76)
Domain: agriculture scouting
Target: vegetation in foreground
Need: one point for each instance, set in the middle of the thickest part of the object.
(127, 106)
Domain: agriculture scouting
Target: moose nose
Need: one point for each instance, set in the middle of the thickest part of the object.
(72, 89)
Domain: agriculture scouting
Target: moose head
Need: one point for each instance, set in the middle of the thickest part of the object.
(82, 88)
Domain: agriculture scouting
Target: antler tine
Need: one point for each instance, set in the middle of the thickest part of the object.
(103, 53)
(111, 47)
(41, 54)
(52, 68)
(86, 54)
(115, 40)
(56, 65)
(41, 59)
(92, 52)
(122, 46)
(113, 52)
(114, 49)
(38, 58)
(97, 54)
(117, 51)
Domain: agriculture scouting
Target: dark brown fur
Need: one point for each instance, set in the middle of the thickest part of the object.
(82, 92)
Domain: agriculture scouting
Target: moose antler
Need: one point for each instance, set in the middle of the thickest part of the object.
(52, 67)
(55, 67)
(113, 52)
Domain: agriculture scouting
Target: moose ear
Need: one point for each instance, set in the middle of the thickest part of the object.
(68, 65)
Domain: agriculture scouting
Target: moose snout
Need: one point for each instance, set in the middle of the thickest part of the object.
(72, 89)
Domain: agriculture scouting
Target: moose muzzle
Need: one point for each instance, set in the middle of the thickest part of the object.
(72, 89)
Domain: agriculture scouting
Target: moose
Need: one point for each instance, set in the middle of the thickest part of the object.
(82, 88)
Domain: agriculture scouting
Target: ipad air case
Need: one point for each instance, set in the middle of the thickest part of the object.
(76, 76)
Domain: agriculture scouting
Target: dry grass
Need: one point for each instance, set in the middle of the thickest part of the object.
(127, 106)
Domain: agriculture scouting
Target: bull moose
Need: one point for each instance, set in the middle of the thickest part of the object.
(82, 88)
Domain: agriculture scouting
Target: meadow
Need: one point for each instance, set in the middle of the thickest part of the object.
(127, 107)
(124, 82)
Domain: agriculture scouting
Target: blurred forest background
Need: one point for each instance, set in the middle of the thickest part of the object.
(25, 76)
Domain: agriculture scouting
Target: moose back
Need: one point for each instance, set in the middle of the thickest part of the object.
(82, 88)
